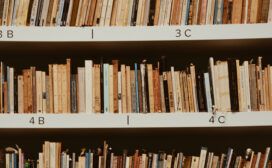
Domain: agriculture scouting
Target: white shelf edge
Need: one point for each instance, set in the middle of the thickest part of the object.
(130, 120)
(136, 33)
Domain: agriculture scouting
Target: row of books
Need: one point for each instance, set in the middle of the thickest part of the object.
(133, 12)
(52, 156)
(141, 88)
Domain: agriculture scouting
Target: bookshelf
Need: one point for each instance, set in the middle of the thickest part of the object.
(126, 121)
(183, 130)
(137, 33)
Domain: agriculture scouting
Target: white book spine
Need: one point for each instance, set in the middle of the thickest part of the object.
(228, 105)
(146, 12)
(81, 90)
(15, 10)
(106, 87)
(34, 12)
(143, 74)
(103, 13)
(5, 13)
(130, 6)
(174, 86)
(202, 158)
(247, 88)
(267, 154)
(127, 162)
(162, 10)
(168, 12)
(258, 160)
(108, 13)
(184, 11)
(209, 11)
(118, 12)
(60, 13)
(89, 86)
(211, 65)
(208, 92)
(69, 15)
(11, 90)
(119, 92)
(44, 12)
(270, 13)
(41, 160)
(178, 91)
(52, 155)
(139, 12)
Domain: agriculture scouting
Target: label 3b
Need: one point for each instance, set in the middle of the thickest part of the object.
(9, 34)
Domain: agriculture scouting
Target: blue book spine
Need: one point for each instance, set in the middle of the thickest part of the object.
(10, 160)
(15, 161)
(187, 12)
(136, 87)
(106, 87)
(86, 160)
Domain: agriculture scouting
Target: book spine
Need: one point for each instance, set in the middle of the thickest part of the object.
(89, 86)
(119, 92)
(136, 87)
(124, 91)
(106, 87)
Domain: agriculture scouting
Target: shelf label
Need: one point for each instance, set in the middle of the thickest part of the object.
(7, 34)
(187, 33)
(221, 119)
(37, 120)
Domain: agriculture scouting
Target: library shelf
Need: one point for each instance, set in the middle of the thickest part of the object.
(129, 120)
(136, 33)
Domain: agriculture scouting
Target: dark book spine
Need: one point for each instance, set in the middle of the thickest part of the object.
(29, 12)
(108, 161)
(39, 12)
(65, 12)
(134, 13)
(149, 160)
(102, 84)
(73, 93)
(253, 87)
(233, 87)
(201, 93)
(140, 92)
(165, 90)
(2, 158)
(146, 89)
(151, 13)
(1, 10)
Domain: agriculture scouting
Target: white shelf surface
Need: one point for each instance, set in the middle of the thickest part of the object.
(136, 33)
(150, 120)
